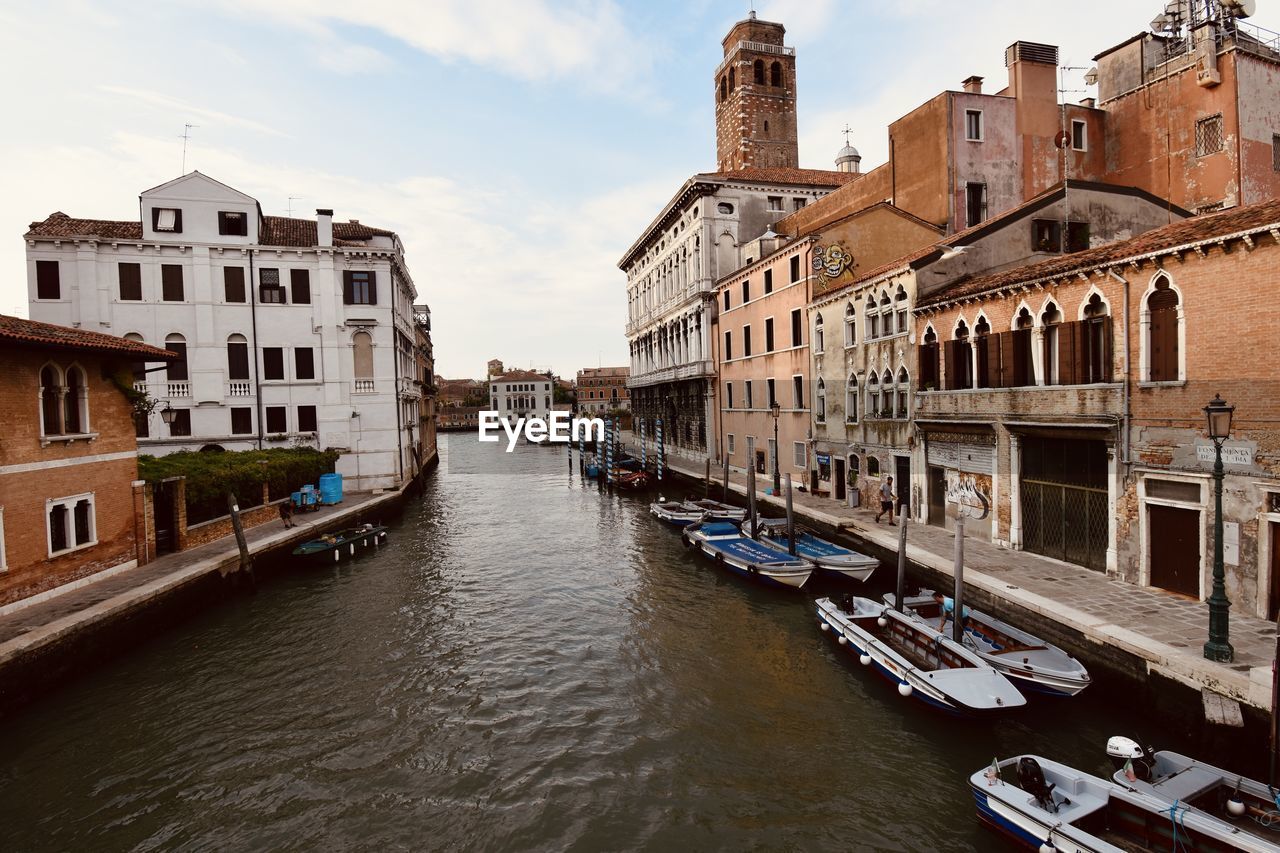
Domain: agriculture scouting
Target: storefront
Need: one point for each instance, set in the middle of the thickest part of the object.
(953, 457)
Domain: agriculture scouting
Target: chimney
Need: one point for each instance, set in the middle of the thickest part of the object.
(973, 85)
(1088, 102)
(324, 227)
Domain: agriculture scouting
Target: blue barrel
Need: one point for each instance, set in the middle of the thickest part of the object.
(330, 488)
(296, 497)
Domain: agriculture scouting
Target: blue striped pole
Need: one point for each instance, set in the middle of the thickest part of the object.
(608, 449)
(657, 435)
(582, 454)
(643, 456)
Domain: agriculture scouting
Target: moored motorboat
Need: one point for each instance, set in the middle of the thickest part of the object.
(725, 544)
(1045, 805)
(1032, 663)
(1175, 778)
(831, 558)
(683, 513)
(931, 668)
(342, 543)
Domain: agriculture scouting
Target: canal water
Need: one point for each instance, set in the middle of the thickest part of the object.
(529, 664)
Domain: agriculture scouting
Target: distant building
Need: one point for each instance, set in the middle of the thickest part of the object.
(494, 367)
(423, 383)
(458, 418)
(521, 394)
(603, 389)
(456, 392)
(69, 507)
(286, 330)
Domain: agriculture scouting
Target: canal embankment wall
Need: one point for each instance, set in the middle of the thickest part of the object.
(47, 642)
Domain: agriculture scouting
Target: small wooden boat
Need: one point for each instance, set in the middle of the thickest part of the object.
(635, 480)
(343, 543)
(828, 556)
(1045, 805)
(925, 665)
(1171, 778)
(1031, 662)
(724, 543)
(684, 513)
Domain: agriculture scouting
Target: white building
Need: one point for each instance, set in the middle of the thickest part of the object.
(521, 394)
(294, 331)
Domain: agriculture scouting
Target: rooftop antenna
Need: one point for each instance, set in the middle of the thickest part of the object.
(186, 135)
(292, 199)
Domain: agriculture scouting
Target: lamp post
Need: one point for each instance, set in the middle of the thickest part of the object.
(775, 410)
(1218, 416)
(167, 414)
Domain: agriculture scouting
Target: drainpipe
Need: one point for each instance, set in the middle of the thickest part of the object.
(1126, 415)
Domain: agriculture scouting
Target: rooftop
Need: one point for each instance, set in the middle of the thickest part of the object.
(16, 330)
(276, 230)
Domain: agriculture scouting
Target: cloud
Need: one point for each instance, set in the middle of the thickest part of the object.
(533, 40)
(171, 105)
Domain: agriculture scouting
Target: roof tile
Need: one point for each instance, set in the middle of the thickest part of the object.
(16, 330)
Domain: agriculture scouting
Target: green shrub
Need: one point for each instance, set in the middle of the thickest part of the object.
(211, 475)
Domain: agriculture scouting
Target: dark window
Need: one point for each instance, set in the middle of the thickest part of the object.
(304, 364)
(797, 391)
(1209, 135)
(277, 420)
(758, 67)
(81, 515)
(749, 402)
(1096, 342)
(1275, 152)
(775, 74)
(973, 125)
(272, 363)
(1077, 236)
(746, 341)
(300, 284)
(307, 419)
(728, 345)
(1079, 135)
(795, 269)
(746, 291)
(176, 371)
(237, 360)
(359, 287)
(975, 203)
(171, 282)
(772, 397)
(728, 395)
(1046, 236)
(1162, 353)
(241, 421)
(797, 327)
(724, 89)
(726, 299)
(233, 283)
(768, 281)
(982, 347)
(48, 282)
(929, 361)
(181, 422)
(130, 282)
(58, 528)
(166, 219)
(269, 290)
(768, 334)
(233, 224)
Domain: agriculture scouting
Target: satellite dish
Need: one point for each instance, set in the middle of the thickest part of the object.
(1091, 76)
(1239, 8)
(1061, 139)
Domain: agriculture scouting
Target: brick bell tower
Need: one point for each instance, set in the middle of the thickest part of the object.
(755, 91)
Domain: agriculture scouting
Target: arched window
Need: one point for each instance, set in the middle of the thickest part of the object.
(51, 400)
(851, 399)
(873, 318)
(929, 360)
(733, 80)
(900, 306)
(177, 370)
(759, 72)
(75, 402)
(855, 468)
(821, 409)
(903, 393)
(1096, 340)
(850, 326)
(1051, 319)
(982, 343)
(873, 395)
(1163, 333)
(238, 358)
(775, 74)
(819, 339)
(1024, 369)
(724, 89)
(886, 394)
(960, 363)
(362, 354)
(873, 466)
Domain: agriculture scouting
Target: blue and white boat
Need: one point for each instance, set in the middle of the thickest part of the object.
(726, 544)
(1044, 805)
(925, 666)
(684, 513)
(1032, 663)
(831, 558)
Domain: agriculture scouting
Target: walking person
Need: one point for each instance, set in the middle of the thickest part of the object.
(286, 513)
(886, 500)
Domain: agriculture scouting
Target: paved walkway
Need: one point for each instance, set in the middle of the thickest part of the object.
(27, 624)
(1166, 630)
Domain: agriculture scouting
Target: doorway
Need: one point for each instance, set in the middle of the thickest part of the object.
(902, 482)
(1174, 549)
(164, 500)
(1273, 599)
(838, 481)
(937, 496)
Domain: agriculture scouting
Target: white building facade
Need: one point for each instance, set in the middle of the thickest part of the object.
(522, 394)
(293, 331)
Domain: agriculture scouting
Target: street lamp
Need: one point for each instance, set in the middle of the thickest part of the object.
(167, 414)
(1218, 417)
(775, 410)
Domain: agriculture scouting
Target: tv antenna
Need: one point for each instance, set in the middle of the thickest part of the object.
(292, 199)
(186, 135)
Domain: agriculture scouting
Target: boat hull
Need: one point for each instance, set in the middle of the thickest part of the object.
(342, 545)
(745, 557)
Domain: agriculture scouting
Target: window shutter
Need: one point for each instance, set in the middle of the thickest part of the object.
(177, 221)
(949, 365)
(1066, 354)
(1107, 371)
(155, 219)
(348, 294)
(373, 287)
(994, 363)
(1007, 376)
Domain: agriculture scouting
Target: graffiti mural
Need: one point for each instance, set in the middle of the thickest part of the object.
(831, 262)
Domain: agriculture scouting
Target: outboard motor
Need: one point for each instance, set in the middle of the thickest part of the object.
(1122, 750)
(1031, 779)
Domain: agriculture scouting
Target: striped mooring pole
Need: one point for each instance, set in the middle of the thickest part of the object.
(608, 449)
(657, 436)
(582, 454)
(644, 459)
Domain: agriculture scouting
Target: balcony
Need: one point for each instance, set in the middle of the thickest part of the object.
(695, 370)
(363, 386)
(140, 385)
(409, 387)
(239, 389)
(179, 389)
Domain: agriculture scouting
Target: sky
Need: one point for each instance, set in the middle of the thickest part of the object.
(518, 148)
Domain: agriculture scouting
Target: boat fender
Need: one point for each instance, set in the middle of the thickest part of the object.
(824, 626)
(1048, 847)
(904, 689)
(883, 621)
(719, 558)
(842, 639)
(864, 659)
